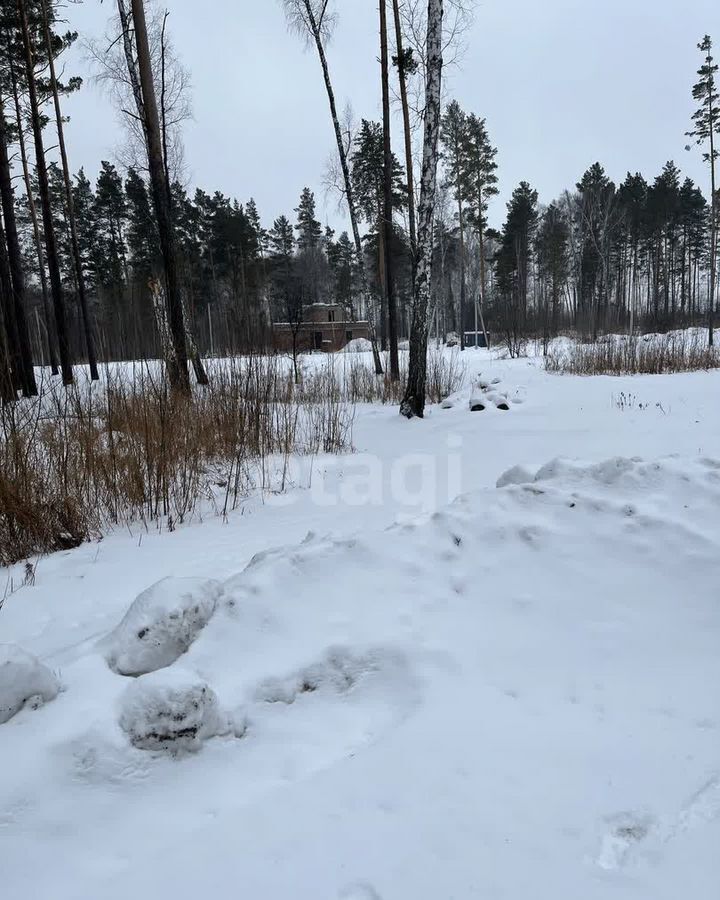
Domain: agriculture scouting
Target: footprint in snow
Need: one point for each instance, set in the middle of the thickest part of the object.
(619, 845)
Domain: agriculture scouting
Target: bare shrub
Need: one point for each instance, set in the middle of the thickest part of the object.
(651, 354)
(74, 461)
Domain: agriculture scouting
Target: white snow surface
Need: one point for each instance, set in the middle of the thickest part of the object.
(24, 680)
(460, 691)
(161, 624)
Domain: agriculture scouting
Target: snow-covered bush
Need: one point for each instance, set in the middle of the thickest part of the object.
(23, 680)
(452, 339)
(172, 711)
(357, 345)
(161, 624)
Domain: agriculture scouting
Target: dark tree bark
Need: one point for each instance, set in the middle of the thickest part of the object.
(79, 275)
(47, 313)
(50, 240)
(178, 373)
(402, 79)
(26, 373)
(413, 403)
(387, 198)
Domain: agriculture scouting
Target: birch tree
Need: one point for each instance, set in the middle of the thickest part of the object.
(178, 371)
(413, 403)
(313, 21)
(706, 130)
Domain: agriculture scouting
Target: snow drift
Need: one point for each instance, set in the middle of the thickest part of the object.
(24, 680)
(161, 624)
(515, 696)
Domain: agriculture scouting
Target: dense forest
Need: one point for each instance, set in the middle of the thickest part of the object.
(84, 271)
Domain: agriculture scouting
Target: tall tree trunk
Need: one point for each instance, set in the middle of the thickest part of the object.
(402, 79)
(178, 372)
(349, 193)
(79, 276)
(51, 252)
(713, 218)
(461, 223)
(7, 389)
(387, 197)
(17, 280)
(12, 358)
(413, 403)
(47, 312)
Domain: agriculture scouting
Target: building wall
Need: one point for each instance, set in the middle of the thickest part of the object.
(318, 335)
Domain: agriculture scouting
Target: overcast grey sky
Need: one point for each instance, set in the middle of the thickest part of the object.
(562, 83)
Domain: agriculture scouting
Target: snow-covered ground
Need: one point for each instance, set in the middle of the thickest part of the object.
(397, 680)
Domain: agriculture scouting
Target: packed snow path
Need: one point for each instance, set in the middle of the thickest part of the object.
(517, 695)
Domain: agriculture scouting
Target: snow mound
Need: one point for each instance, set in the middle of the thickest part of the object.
(23, 680)
(171, 711)
(357, 345)
(516, 475)
(477, 402)
(339, 672)
(161, 624)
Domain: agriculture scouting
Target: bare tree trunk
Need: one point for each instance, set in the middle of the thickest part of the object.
(349, 193)
(26, 372)
(402, 79)
(79, 276)
(178, 373)
(47, 314)
(192, 347)
(463, 294)
(50, 240)
(713, 224)
(413, 403)
(387, 198)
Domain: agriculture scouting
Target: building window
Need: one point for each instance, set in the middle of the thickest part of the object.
(331, 315)
(348, 336)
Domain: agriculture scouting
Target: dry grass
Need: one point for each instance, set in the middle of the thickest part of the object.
(357, 383)
(652, 354)
(75, 462)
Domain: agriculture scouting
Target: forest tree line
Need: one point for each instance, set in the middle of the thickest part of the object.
(135, 266)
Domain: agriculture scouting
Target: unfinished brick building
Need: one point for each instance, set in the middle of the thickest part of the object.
(324, 326)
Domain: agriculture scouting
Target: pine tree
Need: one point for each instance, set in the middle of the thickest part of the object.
(287, 294)
(308, 228)
(705, 131)
(368, 174)
(51, 250)
(514, 261)
(597, 206)
(481, 184)
(454, 139)
(84, 204)
(110, 215)
(142, 237)
(632, 203)
(551, 245)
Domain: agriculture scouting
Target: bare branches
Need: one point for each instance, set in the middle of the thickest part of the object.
(457, 20)
(306, 17)
(108, 58)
